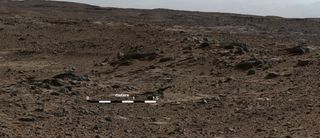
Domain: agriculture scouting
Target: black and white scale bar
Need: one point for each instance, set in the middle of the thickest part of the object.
(126, 101)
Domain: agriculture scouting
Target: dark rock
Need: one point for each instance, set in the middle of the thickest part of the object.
(128, 130)
(46, 86)
(21, 39)
(204, 44)
(165, 59)
(115, 86)
(228, 79)
(245, 65)
(96, 127)
(69, 88)
(84, 78)
(66, 76)
(27, 119)
(66, 90)
(71, 76)
(228, 46)
(73, 82)
(272, 75)
(121, 63)
(53, 82)
(299, 50)
(109, 119)
(243, 46)
(251, 72)
(240, 46)
(259, 130)
(125, 59)
(303, 62)
(239, 50)
(140, 56)
(55, 93)
(39, 110)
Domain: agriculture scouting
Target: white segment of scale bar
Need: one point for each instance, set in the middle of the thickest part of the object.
(104, 101)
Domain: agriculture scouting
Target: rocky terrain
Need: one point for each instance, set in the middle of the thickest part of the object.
(216, 75)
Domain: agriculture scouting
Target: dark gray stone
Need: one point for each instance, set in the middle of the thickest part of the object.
(252, 63)
(27, 119)
(251, 72)
(299, 50)
(204, 44)
(304, 62)
(272, 75)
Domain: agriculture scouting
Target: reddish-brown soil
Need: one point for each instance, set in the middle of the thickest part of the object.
(217, 75)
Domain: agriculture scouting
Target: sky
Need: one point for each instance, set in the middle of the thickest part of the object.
(283, 8)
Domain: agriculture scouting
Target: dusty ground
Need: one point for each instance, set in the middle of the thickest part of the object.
(217, 75)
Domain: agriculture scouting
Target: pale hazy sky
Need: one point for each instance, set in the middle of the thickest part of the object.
(285, 8)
